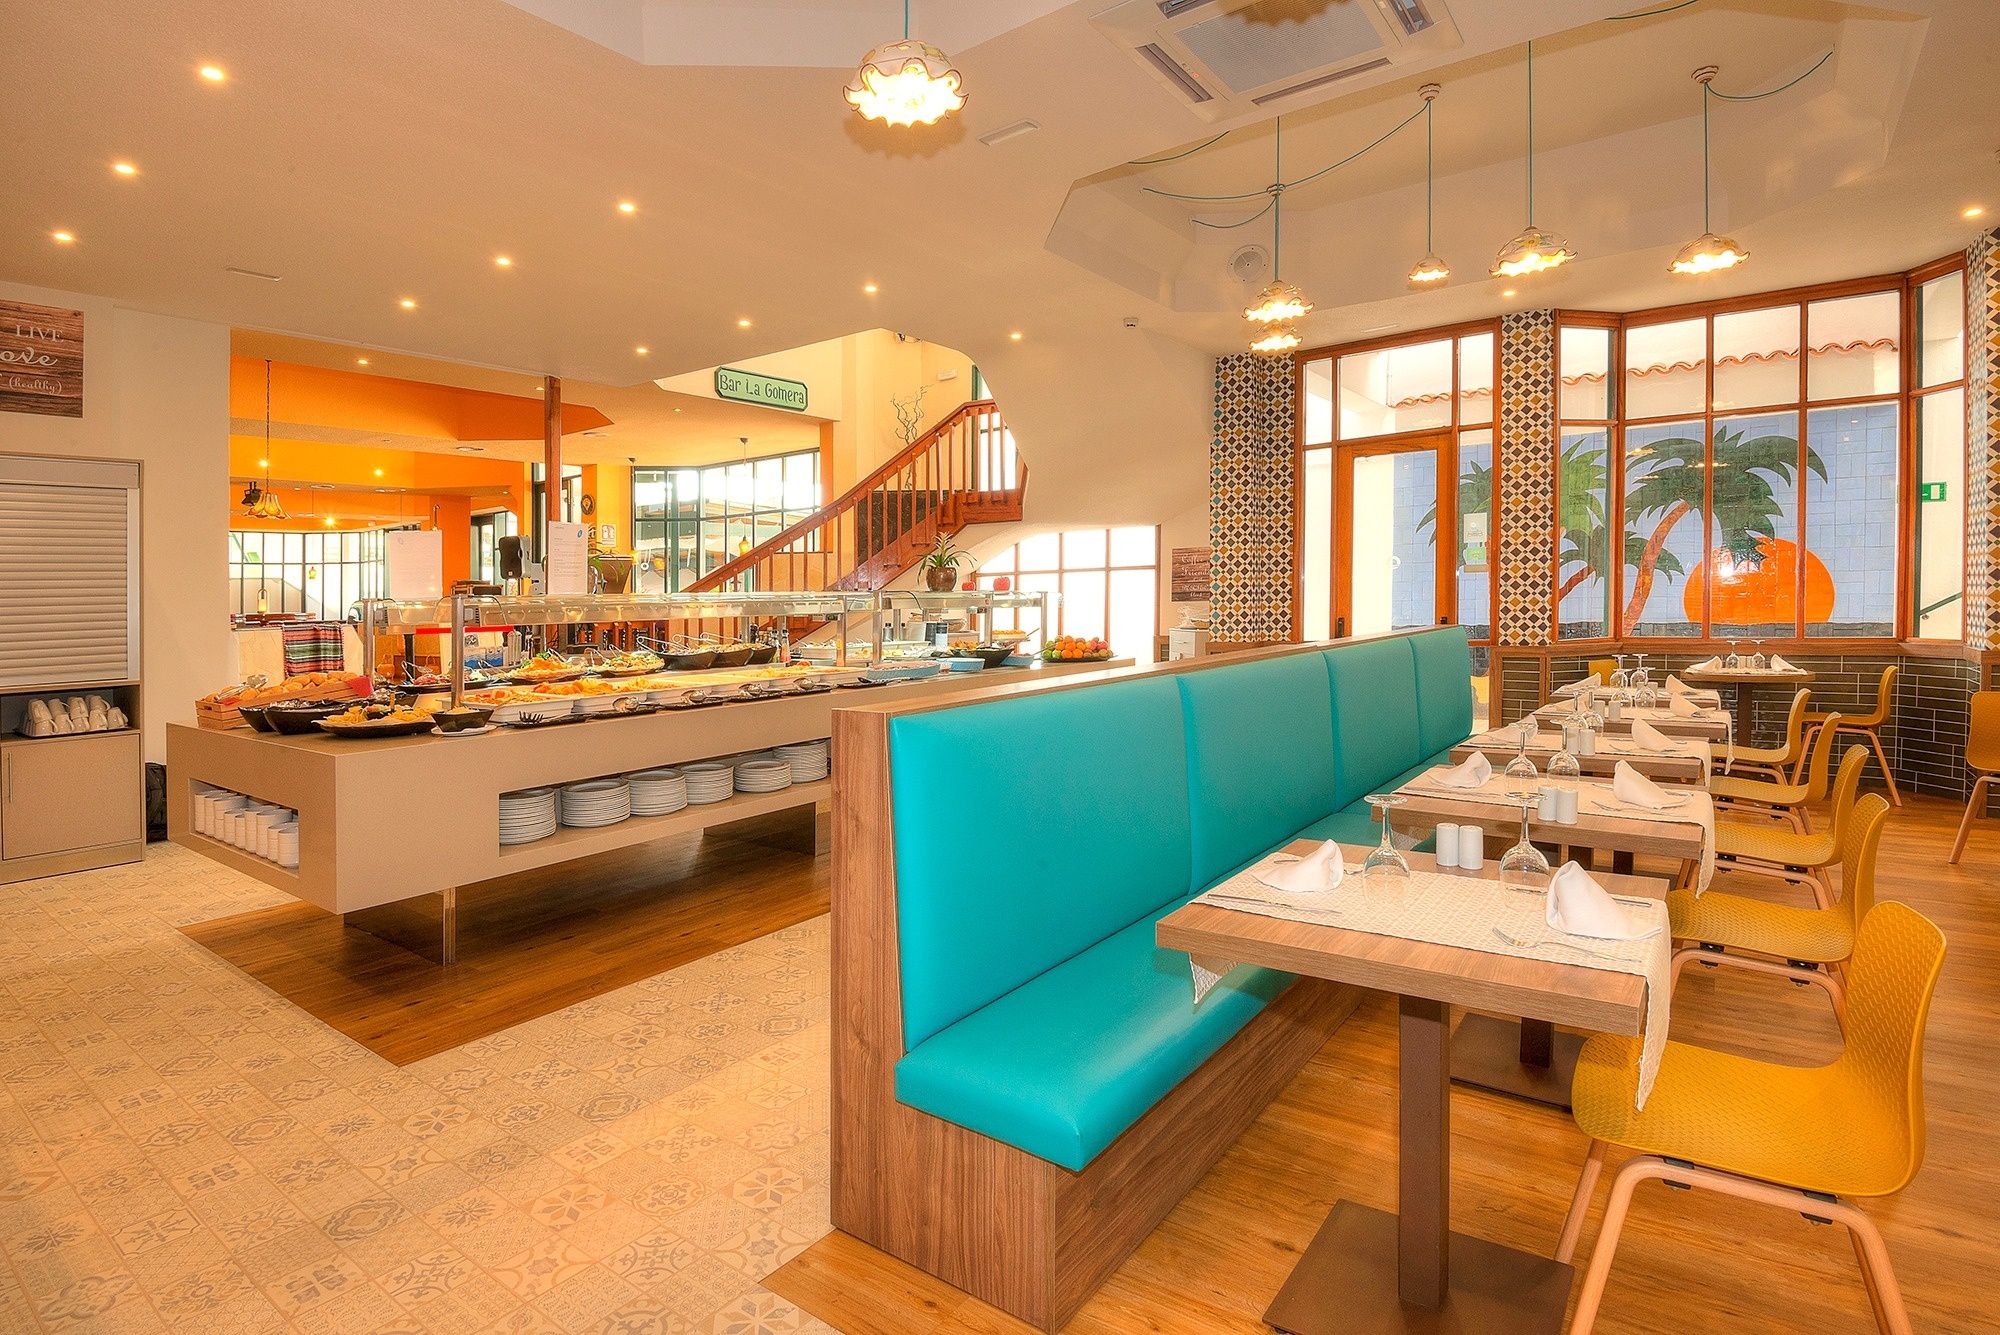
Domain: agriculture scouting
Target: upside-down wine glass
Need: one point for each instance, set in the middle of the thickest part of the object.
(1385, 862)
(1523, 864)
(1734, 662)
(1641, 677)
(1521, 774)
(1620, 679)
(1757, 660)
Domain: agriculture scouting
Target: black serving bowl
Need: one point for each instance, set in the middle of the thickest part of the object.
(691, 662)
(299, 719)
(735, 656)
(762, 654)
(993, 655)
(465, 718)
(254, 716)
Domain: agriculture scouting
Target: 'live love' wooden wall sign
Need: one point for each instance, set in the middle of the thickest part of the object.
(41, 360)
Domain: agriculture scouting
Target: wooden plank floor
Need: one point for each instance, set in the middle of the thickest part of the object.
(1688, 1262)
(533, 943)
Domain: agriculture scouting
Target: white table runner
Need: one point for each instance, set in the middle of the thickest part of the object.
(1462, 911)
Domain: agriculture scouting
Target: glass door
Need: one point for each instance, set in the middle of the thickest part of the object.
(1383, 538)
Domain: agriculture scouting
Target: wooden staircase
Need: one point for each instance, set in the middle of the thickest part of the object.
(962, 471)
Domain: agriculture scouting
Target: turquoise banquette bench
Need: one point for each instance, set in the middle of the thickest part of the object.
(1023, 1085)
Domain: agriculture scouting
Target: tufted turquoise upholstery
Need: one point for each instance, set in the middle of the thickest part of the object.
(1036, 1009)
(1062, 1065)
(1085, 792)
(1260, 757)
(1374, 715)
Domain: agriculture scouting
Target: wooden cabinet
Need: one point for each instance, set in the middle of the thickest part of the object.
(63, 796)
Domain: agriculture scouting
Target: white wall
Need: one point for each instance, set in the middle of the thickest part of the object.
(156, 391)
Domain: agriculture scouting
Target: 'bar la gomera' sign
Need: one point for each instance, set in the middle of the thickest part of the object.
(41, 360)
(768, 391)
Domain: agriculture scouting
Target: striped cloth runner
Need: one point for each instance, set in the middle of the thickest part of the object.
(313, 646)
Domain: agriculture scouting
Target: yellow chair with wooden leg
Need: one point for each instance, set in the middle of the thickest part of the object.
(1982, 754)
(1867, 725)
(1788, 801)
(1604, 667)
(1801, 1138)
(1761, 848)
(1805, 945)
(1777, 762)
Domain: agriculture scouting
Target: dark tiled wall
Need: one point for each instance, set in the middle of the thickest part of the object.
(1520, 689)
(1925, 734)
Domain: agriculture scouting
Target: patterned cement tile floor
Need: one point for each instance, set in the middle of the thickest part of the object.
(182, 1149)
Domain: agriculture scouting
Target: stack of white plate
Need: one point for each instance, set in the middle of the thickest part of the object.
(807, 759)
(763, 776)
(655, 792)
(708, 781)
(596, 802)
(527, 815)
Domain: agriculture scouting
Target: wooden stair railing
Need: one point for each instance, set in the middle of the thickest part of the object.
(962, 471)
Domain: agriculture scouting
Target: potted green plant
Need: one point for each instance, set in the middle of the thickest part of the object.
(940, 565)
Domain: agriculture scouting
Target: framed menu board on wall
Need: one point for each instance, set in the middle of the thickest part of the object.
(41, 360)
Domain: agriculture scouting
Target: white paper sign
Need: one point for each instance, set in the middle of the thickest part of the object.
(569, 559)
(416, 564)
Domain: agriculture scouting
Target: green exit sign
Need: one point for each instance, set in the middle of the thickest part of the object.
(1931, 491)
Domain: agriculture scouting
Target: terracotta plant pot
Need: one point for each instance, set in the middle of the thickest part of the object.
(940, 581)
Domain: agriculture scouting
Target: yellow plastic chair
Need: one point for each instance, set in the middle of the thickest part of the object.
(1805, 945)
(1788, 801)
(1760, 848)
(1982, 753)
(1800, 1138)
(1867, 725)
(1603, 667)
(1779, 762)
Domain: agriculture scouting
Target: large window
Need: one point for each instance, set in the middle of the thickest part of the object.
(318, 574)
(1396, 486)
(1749, 464)
(487, 530)
(1109, 580)
(1937, 595)
(688, 522)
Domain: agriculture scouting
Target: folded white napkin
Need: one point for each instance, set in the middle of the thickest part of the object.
(1472, 772)
(1588, 683)
(1778, 664)
(1706, 665)
(1635, 789)
(1649, 738)
(1682, 707)
(1675, 686)
(1579, 906)
(1318, 870)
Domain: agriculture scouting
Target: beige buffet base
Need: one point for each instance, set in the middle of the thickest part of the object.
(394, 818)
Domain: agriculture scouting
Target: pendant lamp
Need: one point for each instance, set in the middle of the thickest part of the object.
(906, 83)
(1430, 269)
(1534, 250)
(1279, 303)
(262, 502)
(1707, 253)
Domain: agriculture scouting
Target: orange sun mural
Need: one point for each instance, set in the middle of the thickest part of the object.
(1749, 594)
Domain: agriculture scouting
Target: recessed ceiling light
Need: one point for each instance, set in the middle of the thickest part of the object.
(213, 73)
(1974, 211)
(503, 261)
(642, 350)
(408, 304)
(627, 206)
(742, 324)
(870, 288)
(330, 521)
(378, 472)
(1016, 336)
(361, 361)
(64, 237)
(263, 463)
(1507, 292)
(472, 449)
(124, 169)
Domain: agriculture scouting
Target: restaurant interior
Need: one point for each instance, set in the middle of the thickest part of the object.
(828, 665)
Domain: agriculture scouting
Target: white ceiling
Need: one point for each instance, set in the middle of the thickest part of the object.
(373, 150)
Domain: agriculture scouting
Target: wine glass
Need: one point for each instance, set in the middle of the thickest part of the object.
(1521, 774)
(1734, 662)
(1523, 864)
(1385, 862)
(1620, 679)
(1641, 677)
(1758, 662)
(1564, 771)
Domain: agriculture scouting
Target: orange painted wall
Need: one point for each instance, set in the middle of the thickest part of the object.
(356, 401)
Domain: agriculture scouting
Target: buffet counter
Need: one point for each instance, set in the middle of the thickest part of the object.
(386, 819)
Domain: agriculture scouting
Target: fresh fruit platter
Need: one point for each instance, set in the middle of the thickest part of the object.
(1074, 649)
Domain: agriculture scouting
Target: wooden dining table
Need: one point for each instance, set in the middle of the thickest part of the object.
(1529, 1058)
(1714, 726)
(1677, 768)
(1369, 1271)
(1744, 685)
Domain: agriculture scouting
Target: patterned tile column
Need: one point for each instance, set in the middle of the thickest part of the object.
(1250, 465)
(1982, 441)
(1527, 476)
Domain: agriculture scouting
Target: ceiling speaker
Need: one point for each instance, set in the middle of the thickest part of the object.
(1250, 263)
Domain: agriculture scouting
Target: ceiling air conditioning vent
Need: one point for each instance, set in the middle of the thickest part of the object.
(1235, 57)
(1177, 76)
